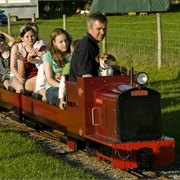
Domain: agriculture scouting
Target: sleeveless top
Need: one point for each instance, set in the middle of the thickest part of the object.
(4, 65)
(30, 69)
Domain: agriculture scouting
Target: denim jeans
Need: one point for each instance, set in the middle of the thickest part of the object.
(52, 95)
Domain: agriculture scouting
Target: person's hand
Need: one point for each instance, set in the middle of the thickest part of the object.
(19, 56)
(32, 53)
(21, 80)
(62, 104)
(123, 69)
(22, 52)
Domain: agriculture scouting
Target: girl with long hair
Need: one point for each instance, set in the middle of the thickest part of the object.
(54, 61)
(23, 80)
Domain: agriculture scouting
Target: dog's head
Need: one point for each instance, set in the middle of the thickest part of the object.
(104, 60)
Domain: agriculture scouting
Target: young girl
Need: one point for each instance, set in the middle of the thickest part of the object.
(54, 61)
(5, 51)
(35, 56)
(62, 89)
(34, 26)
(21, 68)
(23, 80)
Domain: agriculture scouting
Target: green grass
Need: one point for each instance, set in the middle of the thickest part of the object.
(22, 158)
(167, 82)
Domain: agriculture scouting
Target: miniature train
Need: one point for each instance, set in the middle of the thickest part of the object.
(115, 118)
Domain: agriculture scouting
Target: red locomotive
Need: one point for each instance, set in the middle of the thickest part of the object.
(115, 118)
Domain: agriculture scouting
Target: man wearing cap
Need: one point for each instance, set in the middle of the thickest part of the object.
(5, 51)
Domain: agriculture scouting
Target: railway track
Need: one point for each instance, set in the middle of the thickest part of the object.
(59, 150)
(145, 175)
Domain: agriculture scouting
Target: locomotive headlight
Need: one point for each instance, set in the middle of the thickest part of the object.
(142, 78)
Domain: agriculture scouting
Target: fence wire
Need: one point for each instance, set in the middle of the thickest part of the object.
(127, 42)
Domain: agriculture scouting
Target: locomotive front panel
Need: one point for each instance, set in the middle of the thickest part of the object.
(139, 115)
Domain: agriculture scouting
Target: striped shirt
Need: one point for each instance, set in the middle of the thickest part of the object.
(30, 69)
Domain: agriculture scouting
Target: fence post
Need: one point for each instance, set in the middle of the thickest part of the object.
(34, 18)
(104, 49)
(9, 23)
(64, 21)
(159, 32)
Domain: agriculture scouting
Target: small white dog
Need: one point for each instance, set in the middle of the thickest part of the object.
(105, 68)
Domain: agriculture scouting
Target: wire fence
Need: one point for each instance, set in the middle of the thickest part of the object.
(142, 46)
(134, 45)
(126, 42)
(130, 44)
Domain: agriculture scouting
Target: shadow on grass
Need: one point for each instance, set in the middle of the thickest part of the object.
(170, 103)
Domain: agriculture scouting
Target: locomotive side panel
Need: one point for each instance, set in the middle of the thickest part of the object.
(105, 100)
(86, 88)
(105, 118)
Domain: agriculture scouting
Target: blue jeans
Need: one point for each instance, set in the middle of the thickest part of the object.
(52, 95)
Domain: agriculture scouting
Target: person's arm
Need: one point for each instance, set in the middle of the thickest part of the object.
(87, 75)
(31, 57)
(14, 63)
(49, 75)
(62, 87)
(9, 37)
(62, 93)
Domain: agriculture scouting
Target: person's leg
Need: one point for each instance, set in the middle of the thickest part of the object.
(42, 93)
(21, 68)
(30, 84)
(52, 95)
(6, 80)
(16, 84)
(6, 83)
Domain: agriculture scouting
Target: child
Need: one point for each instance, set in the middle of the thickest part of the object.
(5, 51)
(35, 56)
(62, 90)
(54, 61)
(23, 74)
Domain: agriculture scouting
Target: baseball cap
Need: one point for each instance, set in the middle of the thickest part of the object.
(39, 44)
(2, 37)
